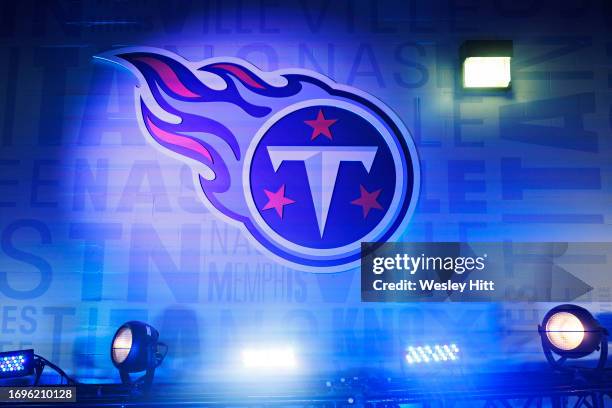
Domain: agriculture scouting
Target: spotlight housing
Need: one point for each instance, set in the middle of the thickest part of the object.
(572, 332)
(19, 363)
(486, 64)
(135, 348)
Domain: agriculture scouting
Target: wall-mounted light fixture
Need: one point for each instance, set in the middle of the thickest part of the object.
(485, 64)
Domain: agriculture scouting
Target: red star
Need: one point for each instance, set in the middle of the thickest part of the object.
(277, 200)
(367, 200)
(320, 125)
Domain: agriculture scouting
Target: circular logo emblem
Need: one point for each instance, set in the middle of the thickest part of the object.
(322, 176)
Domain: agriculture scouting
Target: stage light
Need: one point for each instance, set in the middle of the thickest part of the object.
(438, 353)
(486, 64)
(572, 332)
(18, 363)
(135, 348)
(269, 358)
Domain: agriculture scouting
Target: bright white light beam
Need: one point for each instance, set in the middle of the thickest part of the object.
(269, 358)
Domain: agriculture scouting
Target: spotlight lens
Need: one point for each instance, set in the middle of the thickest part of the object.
(122, 345)
(565, 331)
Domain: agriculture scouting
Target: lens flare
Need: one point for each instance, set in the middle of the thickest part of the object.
(269, 358)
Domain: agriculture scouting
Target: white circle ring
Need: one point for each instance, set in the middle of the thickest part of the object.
(329, 253)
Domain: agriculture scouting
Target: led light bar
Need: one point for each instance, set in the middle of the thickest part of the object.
(16, 363)
(438, 353)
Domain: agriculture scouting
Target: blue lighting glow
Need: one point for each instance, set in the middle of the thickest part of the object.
(16, 363)
(269, 358)
(438, 353)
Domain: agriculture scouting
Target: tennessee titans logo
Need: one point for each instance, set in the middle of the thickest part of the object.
(306, 167)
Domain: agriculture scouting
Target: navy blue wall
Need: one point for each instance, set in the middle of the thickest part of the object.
(97, 227)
